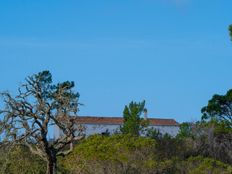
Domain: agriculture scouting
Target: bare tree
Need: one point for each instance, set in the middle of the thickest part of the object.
(28, 117)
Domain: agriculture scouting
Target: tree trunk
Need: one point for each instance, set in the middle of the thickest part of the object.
(51, 164)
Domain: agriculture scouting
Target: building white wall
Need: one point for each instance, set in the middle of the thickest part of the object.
(91, 129)
(171, 130)
(112, 128)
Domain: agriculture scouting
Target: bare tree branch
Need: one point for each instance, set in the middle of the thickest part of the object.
(27, 117)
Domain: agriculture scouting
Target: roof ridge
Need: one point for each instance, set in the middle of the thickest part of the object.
(153, 118)
(119, 120)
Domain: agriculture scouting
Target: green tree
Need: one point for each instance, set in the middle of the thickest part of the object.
(27, 118)
(219, 108)
(133, 123)
(217, 122)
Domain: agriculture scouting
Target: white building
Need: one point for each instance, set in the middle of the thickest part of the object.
(101, 125)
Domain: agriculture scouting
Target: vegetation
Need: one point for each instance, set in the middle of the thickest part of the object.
(19, 160)
(133, 123)
(201, 165)
(121, 154)
(27, 117)
(219, 108)
(112, 154)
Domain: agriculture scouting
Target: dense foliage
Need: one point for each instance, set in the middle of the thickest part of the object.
(201, 165)
(114, 154)
(219, 108)
(19, 159)
(133, 122)
(200, 153)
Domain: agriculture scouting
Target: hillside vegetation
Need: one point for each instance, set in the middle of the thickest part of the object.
(127, 154)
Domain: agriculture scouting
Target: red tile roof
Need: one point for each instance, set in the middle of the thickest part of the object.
(119, 120)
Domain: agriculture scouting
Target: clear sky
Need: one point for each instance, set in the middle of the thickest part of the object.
(175, 54)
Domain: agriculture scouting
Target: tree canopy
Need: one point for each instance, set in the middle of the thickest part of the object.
(219, 108)
(133, 123)
(230, 30)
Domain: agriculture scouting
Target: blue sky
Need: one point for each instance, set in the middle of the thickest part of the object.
(175, 54)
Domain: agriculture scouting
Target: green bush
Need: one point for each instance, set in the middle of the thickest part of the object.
(201, 165)
(114, 154)
(19, 160)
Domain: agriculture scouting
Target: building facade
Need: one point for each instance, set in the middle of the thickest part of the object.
(110, 125)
